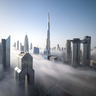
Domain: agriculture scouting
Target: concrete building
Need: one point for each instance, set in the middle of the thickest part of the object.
(26, 45)
(0, 53)
(46, 55)
(58, 48)
(36, 50)
(76, 53)
(48, 36)
(18, 45)
(31, 46)
(45, 52)
(24, 70)
(5, 53)
(68, 50)
(86, 50)
(22, 48)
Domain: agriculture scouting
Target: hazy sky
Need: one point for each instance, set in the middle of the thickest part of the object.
(68, 19)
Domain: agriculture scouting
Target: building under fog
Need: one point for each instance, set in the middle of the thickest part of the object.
(5, 53)
(75, 60)
(58, 48)
(31, 46)
(17, 44)
(26, 45)
(24, 70)
(20, 45)
(22, 48)
(14, 44)
(36, 50)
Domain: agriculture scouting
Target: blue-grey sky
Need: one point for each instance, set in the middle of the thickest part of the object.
(68, 19)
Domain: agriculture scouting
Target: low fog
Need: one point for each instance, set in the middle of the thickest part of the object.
(51, 71)
(93, 54)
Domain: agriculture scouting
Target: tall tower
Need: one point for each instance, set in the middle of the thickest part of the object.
(26, 46)
(18, 45)
(48, 36)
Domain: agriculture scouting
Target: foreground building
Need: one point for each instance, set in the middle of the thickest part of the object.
(5, 53)
(24, 70)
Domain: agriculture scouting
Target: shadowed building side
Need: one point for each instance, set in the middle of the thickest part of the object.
(86, 50)
(5, 53)
(68, 50)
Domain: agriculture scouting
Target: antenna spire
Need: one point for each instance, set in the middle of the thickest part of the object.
(48, 16)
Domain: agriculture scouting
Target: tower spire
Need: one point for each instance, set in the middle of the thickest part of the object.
(48, 16)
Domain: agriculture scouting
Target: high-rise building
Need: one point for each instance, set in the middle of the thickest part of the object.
(86, 50)
(14, 44)
(26, 45)
(31, 46)
(48, 36)
(58, 48)
(68, 50)
(22, 49)
(36, 50)
(5, 53)
(20, 46)
(76, 52)
(17, 44)
(24, 70)
(0, 53)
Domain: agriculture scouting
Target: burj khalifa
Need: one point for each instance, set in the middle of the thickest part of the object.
(48, 36)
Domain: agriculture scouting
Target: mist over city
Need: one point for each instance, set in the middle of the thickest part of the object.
(48, 48)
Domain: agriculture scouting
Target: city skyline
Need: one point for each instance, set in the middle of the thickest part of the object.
(68, 19)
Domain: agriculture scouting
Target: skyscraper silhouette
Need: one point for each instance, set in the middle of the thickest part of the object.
(48, 36)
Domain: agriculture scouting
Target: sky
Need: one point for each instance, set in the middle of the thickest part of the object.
(68, 19)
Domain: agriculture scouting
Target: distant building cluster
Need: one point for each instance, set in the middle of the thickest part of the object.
(25, 47)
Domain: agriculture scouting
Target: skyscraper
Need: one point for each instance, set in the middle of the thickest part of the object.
(48, 36)
(26, 46)
(36, 50)
(5, 53)
(17, 44)
(24, 70)
(31, 46)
